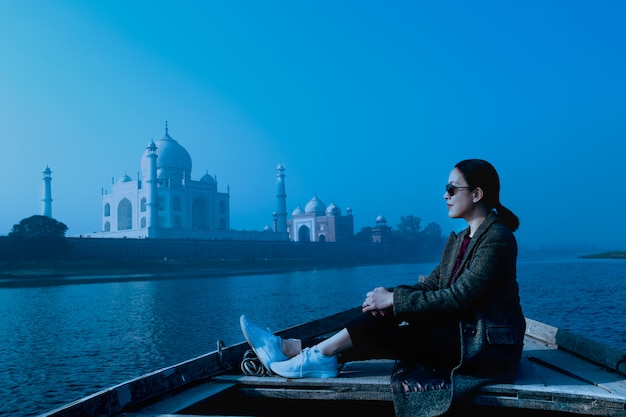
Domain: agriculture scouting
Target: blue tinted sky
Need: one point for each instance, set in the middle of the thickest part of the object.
(367, 104)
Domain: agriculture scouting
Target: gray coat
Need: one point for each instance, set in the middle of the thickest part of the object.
(484, 297)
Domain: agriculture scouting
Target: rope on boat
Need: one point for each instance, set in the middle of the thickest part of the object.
(252, 366)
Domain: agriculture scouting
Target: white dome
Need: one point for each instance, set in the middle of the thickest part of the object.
(297, 211)
(333, 210)
(173, 161)
(315, 206)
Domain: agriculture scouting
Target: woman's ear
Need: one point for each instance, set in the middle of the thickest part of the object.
(477, 194)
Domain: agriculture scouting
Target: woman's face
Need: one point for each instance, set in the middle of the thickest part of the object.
(458, 196)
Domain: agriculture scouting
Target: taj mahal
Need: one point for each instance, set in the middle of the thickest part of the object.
(163, 202)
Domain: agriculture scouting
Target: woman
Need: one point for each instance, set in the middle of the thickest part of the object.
(465, 317)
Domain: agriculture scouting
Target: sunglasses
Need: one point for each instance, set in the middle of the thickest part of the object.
(451, 189)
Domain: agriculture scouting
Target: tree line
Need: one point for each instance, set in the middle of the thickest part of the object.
(38, 238)
(427, 241)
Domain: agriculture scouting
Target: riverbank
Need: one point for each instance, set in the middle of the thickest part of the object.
(606, 255)
(29, 270)
(42, 274)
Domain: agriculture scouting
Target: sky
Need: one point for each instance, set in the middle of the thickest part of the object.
(367, 104)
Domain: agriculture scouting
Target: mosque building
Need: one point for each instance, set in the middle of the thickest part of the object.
(320, 223)
(316, 223)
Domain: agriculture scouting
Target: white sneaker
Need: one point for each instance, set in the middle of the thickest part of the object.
(310, 363)
(266, 345)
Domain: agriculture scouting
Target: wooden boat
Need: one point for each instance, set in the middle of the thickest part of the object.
(560, 374)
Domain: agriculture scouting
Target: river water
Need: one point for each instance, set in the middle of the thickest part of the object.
(67, 339)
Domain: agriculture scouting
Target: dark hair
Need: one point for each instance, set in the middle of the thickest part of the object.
(479, 173)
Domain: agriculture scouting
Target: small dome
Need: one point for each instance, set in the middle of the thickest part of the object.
(315, 206)
(333, 210)
(381, 220)
(124, 178)
(297, 211)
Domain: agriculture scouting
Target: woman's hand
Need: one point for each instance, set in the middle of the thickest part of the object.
(377, 300)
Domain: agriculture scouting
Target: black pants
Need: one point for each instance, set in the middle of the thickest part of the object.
(381, 336)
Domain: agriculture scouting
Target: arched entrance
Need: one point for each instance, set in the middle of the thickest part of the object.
(125, 215)
(304, 234)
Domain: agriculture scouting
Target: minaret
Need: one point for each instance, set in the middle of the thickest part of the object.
(46, 201)
(281, 200)
(153, 199)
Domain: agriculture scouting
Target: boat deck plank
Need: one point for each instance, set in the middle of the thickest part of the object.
(139, 414)
(363, 380)
(173, 403)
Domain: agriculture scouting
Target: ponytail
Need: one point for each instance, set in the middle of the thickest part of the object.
(507, 217)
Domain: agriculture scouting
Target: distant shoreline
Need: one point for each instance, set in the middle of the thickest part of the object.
(40, 272)
(606, 255)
